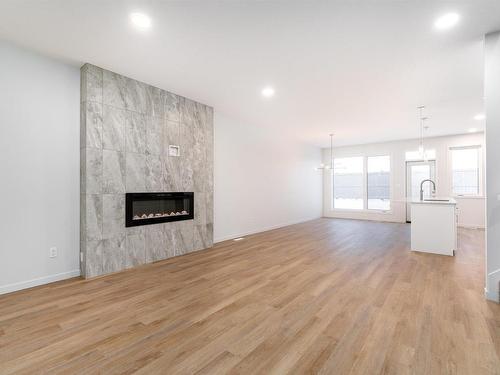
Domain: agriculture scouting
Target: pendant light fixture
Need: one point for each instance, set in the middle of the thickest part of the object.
(326, 167)
(425, 127)
(421, 150)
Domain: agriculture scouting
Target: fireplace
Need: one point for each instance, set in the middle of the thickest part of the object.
(154, 208)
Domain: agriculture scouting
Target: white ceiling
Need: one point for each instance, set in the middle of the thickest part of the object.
(358, 68)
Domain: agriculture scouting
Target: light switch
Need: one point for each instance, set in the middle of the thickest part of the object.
(174, 150)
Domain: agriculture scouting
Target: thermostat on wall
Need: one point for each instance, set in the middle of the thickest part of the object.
(174, 150)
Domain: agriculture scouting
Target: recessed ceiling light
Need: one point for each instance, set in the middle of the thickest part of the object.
(140, 20)
(447, 21)
(479, 117)
(472, 130)
(267, 92)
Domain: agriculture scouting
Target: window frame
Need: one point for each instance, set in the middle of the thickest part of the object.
(480, 177)
(362, 181)
(390, 183)
(365, 208)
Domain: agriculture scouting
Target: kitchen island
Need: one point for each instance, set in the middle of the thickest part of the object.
(434, 226)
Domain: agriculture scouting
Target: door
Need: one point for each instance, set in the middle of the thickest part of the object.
(416, 172)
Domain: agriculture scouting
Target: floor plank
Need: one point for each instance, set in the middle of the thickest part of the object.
(326, 296)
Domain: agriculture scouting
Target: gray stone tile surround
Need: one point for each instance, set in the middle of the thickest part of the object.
(126, 127)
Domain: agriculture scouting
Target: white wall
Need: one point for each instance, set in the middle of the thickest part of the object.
(262, 180)
(39, 169)
(471, 210)
(492, 96)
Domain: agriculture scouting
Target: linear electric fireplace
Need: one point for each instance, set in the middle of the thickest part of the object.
(154, 208)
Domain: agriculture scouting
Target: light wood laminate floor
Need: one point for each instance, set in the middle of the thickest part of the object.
(327, 296)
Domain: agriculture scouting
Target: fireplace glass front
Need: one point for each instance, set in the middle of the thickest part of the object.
(153, 208)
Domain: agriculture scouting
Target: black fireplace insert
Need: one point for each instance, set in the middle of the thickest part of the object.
(154, 208)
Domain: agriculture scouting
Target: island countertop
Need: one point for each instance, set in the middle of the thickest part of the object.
(434, 200)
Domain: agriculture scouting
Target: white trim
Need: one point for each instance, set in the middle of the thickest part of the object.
(365, 208)
(264, 229)
(368, 215)
(362, 210)
(8, 288)
(468, 147)
(361, 156)
(391, 183)
(480, 166)
(493, 282)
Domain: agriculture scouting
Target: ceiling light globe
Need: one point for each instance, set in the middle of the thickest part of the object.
(140, 20)
(268, 92)
(447, 21)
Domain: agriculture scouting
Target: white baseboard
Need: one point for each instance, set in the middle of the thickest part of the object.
(8, 288)
(471, 227)
(263, 229)
(365, 216)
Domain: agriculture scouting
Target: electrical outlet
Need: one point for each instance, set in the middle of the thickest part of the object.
(52, 252)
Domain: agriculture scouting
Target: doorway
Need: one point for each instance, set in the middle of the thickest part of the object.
(416, 172)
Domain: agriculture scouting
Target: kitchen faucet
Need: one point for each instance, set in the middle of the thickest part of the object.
(422, 189)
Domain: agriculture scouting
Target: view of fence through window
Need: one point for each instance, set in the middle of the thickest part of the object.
(348, 183)
(379, 182)
(465, 170)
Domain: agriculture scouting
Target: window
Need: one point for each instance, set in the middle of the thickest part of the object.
(465, 170)
(379, 182)
(348, 183)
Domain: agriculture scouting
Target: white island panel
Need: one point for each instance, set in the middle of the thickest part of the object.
(433, 227)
